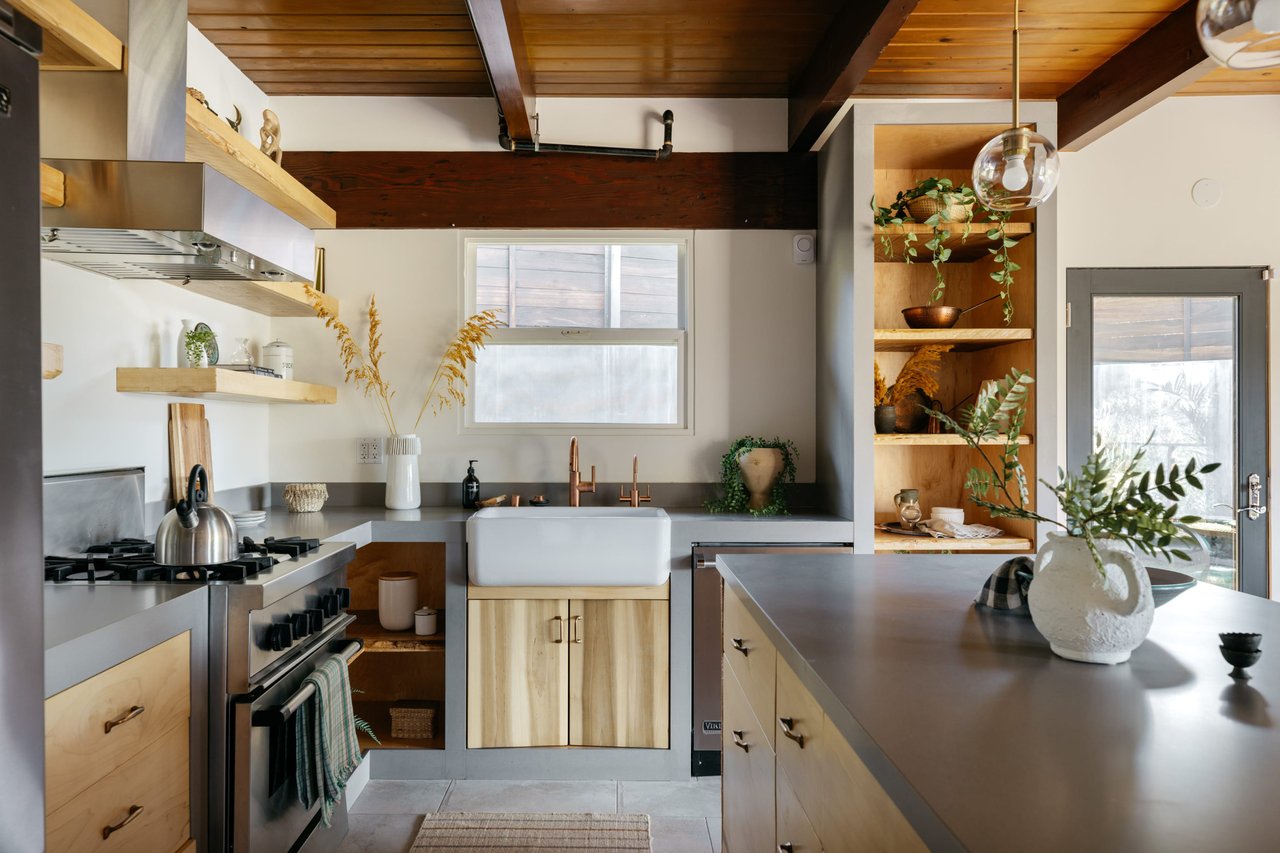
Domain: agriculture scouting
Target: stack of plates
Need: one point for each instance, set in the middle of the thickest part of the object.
(249, 517)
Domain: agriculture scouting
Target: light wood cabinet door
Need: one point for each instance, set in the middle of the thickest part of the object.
(747, 796)
(802, 753)
(752, 657)
(795, 833)
(619, 673)
(862, 816)
(517, 673)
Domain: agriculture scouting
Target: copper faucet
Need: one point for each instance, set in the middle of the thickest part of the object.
(576, 486)
(635, 497)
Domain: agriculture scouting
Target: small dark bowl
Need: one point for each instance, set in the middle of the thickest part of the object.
(1239, 659)
(1241, 642)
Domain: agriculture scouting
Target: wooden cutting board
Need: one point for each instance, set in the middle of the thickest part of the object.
(188, 445)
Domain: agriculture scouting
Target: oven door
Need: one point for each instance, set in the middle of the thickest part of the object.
(265, 812)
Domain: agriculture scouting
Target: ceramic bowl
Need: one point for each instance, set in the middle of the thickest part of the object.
(1166, 584)
(1241, 642)
(1239, 658)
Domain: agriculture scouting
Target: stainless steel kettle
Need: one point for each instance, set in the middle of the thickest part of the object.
(195, 532)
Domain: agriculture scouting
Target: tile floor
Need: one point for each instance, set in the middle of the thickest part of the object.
(684, 816)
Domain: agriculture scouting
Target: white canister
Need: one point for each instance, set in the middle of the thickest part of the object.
(424, 621)
(397, 600)
(278, 356)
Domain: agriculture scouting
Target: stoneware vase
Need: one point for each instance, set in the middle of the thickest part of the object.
(760, 468)
(397, 600)
(404, 487)
(886, 419)
(1084, 614)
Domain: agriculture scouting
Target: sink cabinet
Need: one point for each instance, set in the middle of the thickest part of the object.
(568, 671)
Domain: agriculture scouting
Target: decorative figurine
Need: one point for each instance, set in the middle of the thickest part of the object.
(200, 98)
(235, 123)
(270, 134)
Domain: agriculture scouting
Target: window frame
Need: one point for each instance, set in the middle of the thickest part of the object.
(681, 338)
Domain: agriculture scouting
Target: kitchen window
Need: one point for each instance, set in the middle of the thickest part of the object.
(597, 334)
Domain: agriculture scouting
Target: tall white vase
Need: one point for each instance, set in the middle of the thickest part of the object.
(404, 486)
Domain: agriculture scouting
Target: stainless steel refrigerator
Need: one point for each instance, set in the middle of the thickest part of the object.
(21, 573)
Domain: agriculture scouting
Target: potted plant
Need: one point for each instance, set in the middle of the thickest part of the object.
(754, 474)
(1090, 597)
(197, 342)
(912, 392)
(886, 414)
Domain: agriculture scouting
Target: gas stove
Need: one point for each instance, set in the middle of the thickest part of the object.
(133, 561)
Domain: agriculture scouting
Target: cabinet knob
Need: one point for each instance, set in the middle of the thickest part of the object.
(788, 728)
(740, 741)
(740, 644)
(134, 811)
(786, 847)
(123, 718)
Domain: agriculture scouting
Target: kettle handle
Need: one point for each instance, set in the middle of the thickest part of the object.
(186, 508)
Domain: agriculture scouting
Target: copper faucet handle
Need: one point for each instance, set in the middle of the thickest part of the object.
(589, 486)
(646, 497)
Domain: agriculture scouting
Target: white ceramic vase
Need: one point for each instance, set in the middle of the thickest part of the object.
(187, 326)
(1084, 614)
(404, 487)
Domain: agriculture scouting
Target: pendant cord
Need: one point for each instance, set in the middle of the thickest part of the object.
(1017, 63)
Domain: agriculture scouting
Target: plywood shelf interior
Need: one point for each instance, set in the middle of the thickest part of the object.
(378, 716)
(944, 439)
(73, 39)
(888, 542)
(211, 140)
(53, 186)
(50, 361)
(272, 298)
(379, 639)
(212, 383)
(963, 249)
(961, 340)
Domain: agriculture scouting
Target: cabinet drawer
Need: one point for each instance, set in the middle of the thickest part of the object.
(96, 726)
(751, 657)
(747, 781)
(795, 832)
(802, 754)
(154, 784)
(862, 817)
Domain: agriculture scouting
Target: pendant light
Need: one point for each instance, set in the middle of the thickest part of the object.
(1240, 34)
(1018, 169)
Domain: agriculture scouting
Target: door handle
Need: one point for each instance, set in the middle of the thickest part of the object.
(740, 644)
(559, 623)
(576, 632)
(786, 847)
(134, 812)
(1256, 507)
(123, 718)
(789, 729)
(740, 741)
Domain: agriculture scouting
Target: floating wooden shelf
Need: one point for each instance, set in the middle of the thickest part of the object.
(961, 340)
(211, 383)
(272, 298)
(73, 40)
(53, 186)
(378, 639)
(963, 249)
(893, 542)
(51, 360)
(942, 439)
(211, 140)
(378, 716)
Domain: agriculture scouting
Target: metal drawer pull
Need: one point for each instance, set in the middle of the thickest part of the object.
(559, 620)
(786, 847)
(740, 644)
(124, 718)
(134, 811)
(577, 630)
(788, 729)
(739, 741)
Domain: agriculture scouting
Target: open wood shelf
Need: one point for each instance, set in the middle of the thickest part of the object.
(73, 39)
(961, 340)
(271, 298)
(942, 439)
(50, 360)
(378, 639)
(212, 383)
(923, 544)
(378, 715)
(211, 140)
(53, 186)
(963, 249)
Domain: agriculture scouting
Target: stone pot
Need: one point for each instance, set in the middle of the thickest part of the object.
(911, 414)
(1084, 614)
(886, 419)
(760, 468)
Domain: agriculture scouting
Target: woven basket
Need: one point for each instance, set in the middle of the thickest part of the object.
(412, 722)
(305, 497)
(923, 207)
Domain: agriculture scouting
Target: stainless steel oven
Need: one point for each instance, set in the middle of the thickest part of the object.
(708, 633)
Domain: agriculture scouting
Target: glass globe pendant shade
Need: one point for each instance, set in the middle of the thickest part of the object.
(1016, 170)
(1240, 34)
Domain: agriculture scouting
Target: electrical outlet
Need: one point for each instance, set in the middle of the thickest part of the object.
(369, 451)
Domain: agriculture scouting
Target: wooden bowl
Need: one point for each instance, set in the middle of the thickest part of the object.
(931, 316)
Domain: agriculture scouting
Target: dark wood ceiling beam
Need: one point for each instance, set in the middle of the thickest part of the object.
(853, 44)
(1158, 64)
(497, 26)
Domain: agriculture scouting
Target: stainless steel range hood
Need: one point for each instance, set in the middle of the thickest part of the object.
(134, 208)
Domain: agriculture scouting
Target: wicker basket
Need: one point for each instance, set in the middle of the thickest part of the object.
(305, 497)
(923, 207)
(412, 722)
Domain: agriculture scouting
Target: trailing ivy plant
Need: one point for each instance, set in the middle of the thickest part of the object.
(1003, 275)
(735, 498)
(1108, 498)
(197, 343)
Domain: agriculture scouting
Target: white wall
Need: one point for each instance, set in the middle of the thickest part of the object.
(224, 85)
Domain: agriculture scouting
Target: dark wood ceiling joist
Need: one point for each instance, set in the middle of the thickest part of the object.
(1160, 63)
(842, 59)
(501, 37)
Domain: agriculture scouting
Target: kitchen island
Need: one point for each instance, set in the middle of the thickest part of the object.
(984, 740)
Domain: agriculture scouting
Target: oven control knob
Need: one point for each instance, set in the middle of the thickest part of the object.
(316, 615)
(301, 625)
(279, 636)
(329, 604)
(344, 597)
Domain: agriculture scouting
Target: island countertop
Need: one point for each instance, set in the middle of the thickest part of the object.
(987, 741)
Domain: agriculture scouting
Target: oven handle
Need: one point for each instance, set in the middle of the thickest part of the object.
(280, 714)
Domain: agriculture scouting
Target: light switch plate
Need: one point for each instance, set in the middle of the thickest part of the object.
(802, 248)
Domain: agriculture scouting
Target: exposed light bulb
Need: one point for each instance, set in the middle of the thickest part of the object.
(1266, 16)
(1015, 172)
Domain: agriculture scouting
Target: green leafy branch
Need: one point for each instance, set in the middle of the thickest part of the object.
(735, 498)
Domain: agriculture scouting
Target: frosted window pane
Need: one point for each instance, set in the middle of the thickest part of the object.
(580, 384)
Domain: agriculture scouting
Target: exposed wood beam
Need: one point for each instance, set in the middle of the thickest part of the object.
(857, 38)
(497, 26)
(1158, 64)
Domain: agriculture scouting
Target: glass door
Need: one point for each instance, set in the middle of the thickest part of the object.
(1176, 359)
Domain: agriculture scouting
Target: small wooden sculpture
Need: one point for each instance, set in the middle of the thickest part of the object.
(200, 98)
(270, 134)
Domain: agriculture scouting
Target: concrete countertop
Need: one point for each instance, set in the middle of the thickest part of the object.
(987, 741)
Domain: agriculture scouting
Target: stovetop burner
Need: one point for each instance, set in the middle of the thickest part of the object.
(133, 560)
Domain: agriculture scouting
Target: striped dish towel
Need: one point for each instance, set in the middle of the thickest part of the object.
(325, 736)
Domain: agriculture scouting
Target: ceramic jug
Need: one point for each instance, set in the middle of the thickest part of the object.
(908, 503)
(1085, 614)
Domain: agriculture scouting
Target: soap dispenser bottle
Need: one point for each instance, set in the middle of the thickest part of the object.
(470, 487)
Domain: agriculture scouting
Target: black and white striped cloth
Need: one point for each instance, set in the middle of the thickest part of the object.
(1004, 590)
